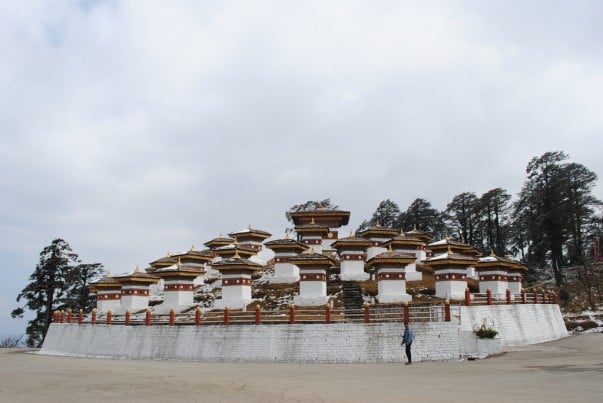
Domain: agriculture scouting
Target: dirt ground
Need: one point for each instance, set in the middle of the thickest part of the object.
(567, 370)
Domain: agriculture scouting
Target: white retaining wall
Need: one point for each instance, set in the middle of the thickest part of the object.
(336, 342)
(516, 324)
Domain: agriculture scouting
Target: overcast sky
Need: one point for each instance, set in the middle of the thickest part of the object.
(134, 128)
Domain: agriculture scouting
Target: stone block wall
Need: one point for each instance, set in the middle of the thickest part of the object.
(335, 342)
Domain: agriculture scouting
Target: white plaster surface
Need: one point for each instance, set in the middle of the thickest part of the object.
(337, 342)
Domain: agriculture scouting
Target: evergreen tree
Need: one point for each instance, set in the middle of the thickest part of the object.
(461, 216)
(554, 207)
(386, 214)
(424, 217)
(78, 294)
(495, 221)
(58, 282)
(311, 205)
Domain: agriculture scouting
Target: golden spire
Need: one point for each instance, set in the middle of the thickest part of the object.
(235, 241)
(220, 236)
(351, 234)
(449, 250)
(109, 274)
(390, 248)
(378, 225)
(236, 255)
(179, 263)
(414, 227)
(492, 252)
(137, 270)
(312, 222)
(249, 227)
(286, 235)
(192, 247)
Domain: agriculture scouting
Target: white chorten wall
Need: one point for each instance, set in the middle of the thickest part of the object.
(178, 294)
(451, 283)
(284, 271)
(495, 280)
(411, 269)
(312, 288)
(134, 297)
(515, 283)
(314, 241)
(352, 266)
(108, 300)
(236, 291)
(391, 285)
(375, 250)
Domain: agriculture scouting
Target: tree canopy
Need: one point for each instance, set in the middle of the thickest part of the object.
(58, 282)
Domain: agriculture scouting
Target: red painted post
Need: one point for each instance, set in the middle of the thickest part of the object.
(128, 317)
(69, 315)
(524, 297)
(467, 297)
(367, 313)
(508, 295)
(198, 316)
(291, 314)
(109, 317)
(406, 313)
(543, 297)
(93, 319)
(226, 315)
(535, 296)
(61, 316)
(489, 296)
(447, 310)
(327, 313)
(80, 317)
(54, 316)
(553, 298)
(172, 316)
(147, 317)
(258, 315)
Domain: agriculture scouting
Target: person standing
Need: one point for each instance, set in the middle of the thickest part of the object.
(407, 340)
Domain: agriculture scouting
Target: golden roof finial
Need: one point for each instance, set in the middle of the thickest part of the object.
(137, 270)
(351, 234)
(109, 274)
(193, 246)
(249, 227)
(178, 263)
(312, 222)
(235, 241)
(286, 235)
(449, 250)
(492, 252)
(378, 225)
(414, 227)
(236, 255)
(446, 237)
(220, 236)
(390, 248)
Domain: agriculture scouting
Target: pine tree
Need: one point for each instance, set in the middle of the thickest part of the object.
(552, 213)
(461, 215)
(58, 282)
(424, 217)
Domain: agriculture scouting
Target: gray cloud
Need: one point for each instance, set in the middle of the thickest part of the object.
(132, 129)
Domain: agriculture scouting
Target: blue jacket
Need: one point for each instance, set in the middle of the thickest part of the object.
(408, 336)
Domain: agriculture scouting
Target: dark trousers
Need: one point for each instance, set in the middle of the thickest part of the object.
(408, 355)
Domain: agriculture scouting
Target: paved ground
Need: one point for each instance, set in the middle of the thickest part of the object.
(567, 370)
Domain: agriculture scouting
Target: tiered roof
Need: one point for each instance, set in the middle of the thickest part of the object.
(327, 217)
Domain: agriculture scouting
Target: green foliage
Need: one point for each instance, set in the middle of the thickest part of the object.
(58, 282)
(422, 215)
(484, 332)
(311, 205)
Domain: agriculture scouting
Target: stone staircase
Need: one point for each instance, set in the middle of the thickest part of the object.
(352, 299)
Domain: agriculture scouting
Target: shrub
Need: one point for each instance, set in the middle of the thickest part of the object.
(484, 332)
